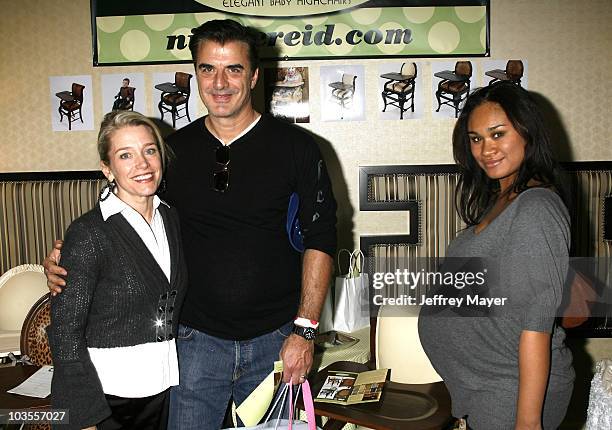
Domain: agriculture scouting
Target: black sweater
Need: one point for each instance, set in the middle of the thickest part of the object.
(113, 291)
(245, 279)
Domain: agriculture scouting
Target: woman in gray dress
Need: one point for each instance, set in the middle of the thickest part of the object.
(505, 365)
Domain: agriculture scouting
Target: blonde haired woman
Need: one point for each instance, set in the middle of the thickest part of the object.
(113, 328)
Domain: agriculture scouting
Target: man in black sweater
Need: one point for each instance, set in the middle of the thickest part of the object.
(251, 297)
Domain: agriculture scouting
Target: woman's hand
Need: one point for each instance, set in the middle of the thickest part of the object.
(91, 428)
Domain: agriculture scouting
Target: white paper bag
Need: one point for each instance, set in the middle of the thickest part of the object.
(327, 313)
(352, 298)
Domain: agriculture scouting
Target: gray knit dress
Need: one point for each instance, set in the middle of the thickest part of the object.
(475, 348)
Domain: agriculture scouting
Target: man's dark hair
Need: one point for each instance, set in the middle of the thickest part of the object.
(222, 31)
(475, 191)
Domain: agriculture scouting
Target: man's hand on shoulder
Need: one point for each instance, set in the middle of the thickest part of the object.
(297, 355)
(53, 271)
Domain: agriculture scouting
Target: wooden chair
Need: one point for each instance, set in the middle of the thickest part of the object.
(34, 342)
(397, 93)
(513, 73)
(177, 101)
(70, 108)
(20, 288)
(343, 92)
(453, 92)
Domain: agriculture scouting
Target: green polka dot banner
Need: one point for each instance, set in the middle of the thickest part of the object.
(437, 31)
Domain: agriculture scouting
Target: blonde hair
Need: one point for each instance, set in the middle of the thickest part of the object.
(119, 119)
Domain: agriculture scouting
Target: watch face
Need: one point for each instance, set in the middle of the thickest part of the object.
(309, 333)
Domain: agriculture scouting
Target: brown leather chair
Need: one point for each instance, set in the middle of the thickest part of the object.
(452, 92)
(513, 73)
(177, 101)
(34, 342)
(397, 93)
(70, 108)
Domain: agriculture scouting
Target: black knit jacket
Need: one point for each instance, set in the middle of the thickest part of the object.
(115, 291)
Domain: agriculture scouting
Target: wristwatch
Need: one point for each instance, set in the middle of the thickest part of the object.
(308, 333)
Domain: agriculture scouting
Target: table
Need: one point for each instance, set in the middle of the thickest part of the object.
(397, 77)
(340, 86)
(414, 406)
(450, 76)
(167, 87)
(65, 96)
(497, 74)
(10, 377)
(358, 352)
(286, 84)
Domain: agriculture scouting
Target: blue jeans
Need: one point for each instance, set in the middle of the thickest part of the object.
(212, 370)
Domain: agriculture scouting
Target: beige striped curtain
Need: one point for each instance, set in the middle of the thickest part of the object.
(438, 224)
(35, 213)
(588, 191)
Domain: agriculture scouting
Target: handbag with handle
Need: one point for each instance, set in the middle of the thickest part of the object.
(279, 423)
(351, 311)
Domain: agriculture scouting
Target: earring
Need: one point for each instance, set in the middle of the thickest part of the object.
(106, 190)
(162, 187)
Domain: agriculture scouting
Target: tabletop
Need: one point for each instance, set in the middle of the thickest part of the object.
(65, 96)
(450, 76)
(397, 76)
(428, 407)
(497, 74)
(12, 376)
(284, 84)
(340, 86)
(167, 87)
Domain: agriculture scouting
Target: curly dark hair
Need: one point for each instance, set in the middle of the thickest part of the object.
(222, 31)
(475, 191)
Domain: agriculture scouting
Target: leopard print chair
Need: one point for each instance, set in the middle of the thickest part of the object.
(34, 342)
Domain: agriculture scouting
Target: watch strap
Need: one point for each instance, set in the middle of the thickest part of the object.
(307, 333)
(305, 322)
